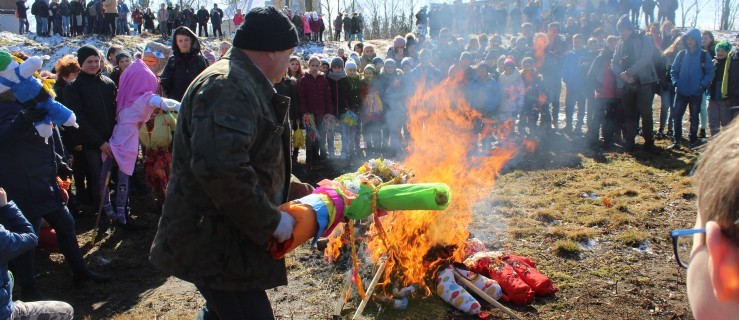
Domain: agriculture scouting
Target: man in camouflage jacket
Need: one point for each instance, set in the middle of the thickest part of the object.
(230, 171)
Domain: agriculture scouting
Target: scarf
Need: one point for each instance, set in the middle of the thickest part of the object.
(336, 76)
(725, 80)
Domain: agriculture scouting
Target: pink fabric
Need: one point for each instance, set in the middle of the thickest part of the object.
(137, 87)
(135, 81)
(306, 26)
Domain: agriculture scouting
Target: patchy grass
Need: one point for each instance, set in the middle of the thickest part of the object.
(566, 248)
(632, 237)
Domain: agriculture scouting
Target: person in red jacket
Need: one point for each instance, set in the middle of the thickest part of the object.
(315, 97)
(608, 113)
(238, 18)
(138, 19)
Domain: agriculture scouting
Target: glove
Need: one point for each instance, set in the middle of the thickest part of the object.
(32, 114)
(285, 228)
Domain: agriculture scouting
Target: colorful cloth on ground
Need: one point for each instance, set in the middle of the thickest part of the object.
(157, 165)
(516, 275)
(525, 268)
(309, 122)
(454, 294)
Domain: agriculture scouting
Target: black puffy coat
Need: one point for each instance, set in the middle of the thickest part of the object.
(182, 68)
(29, 164)
(40, 9)
(92, 98)
(289, 87)
(339, 95)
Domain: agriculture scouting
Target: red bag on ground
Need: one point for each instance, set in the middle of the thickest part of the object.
(491, 265)
(540, 283)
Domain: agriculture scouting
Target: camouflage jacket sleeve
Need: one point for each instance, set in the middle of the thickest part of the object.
(224, 127)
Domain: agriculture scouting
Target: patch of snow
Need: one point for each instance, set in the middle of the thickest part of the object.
(589, 245)
(644, 247)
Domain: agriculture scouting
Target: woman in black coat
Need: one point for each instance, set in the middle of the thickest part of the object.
(183, 66)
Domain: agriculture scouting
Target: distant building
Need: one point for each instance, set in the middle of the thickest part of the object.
(8, 21)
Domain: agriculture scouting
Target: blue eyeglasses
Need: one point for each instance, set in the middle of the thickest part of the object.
(682, 244)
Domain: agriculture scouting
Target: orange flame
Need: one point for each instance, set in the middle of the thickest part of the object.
(443, 148)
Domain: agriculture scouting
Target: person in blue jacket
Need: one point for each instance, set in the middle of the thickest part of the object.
(17, 237)
(574, 75)
(691, 74)
(483, 94)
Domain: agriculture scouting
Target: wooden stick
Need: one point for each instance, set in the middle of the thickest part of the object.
(370, 289)
(342, 295)
(467, 284)
(100, 208)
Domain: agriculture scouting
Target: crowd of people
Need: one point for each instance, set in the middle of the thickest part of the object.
(108, 17)
(609, 69)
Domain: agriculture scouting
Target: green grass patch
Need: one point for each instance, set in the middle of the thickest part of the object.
(566, 248)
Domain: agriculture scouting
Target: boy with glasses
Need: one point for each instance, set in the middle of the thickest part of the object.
(713, 262)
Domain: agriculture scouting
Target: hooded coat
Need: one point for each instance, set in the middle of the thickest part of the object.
(138, 86)
(182, 68)
(688, 74)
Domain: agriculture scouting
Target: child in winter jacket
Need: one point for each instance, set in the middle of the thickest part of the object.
(512, 90)
(719, 109)
(339, 85)
(371, 110)
(392, 93)
(368, 54)
(607, 111)
(534, 97)
(483, 95)
(349, 120)
(691, 74)
(295, 71)
(573, 76)
(315, 97)
(730, 82)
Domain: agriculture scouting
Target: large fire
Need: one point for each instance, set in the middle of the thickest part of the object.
(443, 148)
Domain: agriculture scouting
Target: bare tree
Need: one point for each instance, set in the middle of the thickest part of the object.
(728, 14)
(326, 5)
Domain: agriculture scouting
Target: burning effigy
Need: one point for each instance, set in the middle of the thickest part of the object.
(401, 219)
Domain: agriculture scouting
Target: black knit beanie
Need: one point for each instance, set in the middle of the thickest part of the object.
(85, 52)
(266, 29)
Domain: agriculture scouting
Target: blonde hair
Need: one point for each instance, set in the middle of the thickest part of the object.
(314, 58)
(717, 180)
(671, 49)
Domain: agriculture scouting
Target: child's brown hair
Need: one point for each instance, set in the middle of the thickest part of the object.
(717, 181)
